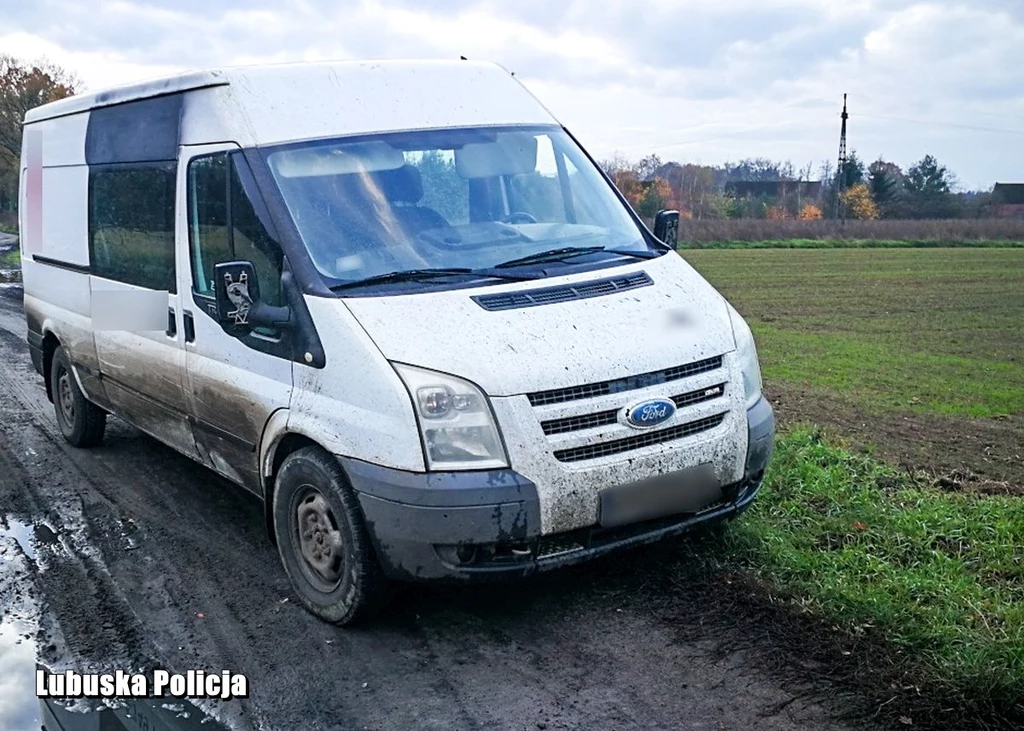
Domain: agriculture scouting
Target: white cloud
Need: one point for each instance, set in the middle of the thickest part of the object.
(95, 69)
(690, 79)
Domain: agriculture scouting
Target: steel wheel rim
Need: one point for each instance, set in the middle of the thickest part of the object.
(65, 397)
(320, 544)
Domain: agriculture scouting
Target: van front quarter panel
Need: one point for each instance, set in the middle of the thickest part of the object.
(356, 406)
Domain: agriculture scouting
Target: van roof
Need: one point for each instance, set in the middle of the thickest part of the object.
(186, 81)
(264, 80)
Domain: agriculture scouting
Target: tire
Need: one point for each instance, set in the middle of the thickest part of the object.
(80, 421)
(332, 563)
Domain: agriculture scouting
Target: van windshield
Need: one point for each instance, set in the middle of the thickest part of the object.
(467, 199)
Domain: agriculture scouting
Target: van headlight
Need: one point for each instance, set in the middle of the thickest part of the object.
(455, 421)
(747, 354)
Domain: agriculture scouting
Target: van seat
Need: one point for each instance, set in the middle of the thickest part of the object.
(403, 188)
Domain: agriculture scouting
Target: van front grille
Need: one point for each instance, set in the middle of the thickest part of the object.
(630, 383)
(604, 449)
(611, 416)
(579, 423)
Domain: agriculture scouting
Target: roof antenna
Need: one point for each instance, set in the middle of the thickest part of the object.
(463, 58)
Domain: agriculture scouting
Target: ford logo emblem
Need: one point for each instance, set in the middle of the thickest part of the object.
(650, 413)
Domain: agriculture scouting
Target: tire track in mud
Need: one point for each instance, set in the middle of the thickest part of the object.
(66, 560)
(92, 609)
(163, 563)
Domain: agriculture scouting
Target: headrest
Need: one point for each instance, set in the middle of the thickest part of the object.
(511, 153)
(401, 185)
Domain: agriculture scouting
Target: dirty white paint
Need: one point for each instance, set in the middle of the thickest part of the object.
(678, 320)
(64, 312)
(263, 105)
(55, 225)
(227, 384)
(357, 406)
(569, 492)
(144, 373)
(510, 352)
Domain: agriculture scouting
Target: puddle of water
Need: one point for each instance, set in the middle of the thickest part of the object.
(148, 714)
(29, 536)
(23, 534)
(19, 709)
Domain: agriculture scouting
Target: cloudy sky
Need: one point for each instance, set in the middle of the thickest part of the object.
(690, 80)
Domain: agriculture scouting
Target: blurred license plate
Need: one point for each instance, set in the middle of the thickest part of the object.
(687, 491)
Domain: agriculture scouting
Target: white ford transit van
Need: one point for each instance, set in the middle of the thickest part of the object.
(396, 300)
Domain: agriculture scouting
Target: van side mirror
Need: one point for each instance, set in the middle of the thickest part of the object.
(666, 227)
(239, 308)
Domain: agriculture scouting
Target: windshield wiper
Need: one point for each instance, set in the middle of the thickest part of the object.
(416, 275)
(542, 257)
(569, 252)
(643, 254)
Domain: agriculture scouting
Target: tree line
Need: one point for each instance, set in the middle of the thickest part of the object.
(22, 87)
(882, 189)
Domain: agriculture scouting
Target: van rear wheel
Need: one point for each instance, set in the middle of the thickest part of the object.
(323, 542)
(80, 421)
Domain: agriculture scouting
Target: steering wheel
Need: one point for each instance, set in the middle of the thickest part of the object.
(519, 217)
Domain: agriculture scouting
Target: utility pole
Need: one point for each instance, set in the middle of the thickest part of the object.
(841, 171)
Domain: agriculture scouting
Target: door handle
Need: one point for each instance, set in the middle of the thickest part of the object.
(172, 323)
(190, 326)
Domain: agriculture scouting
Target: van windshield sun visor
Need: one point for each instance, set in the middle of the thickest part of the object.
(350, 159)
(512, 153)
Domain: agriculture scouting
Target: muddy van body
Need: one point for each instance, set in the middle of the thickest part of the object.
(398, 302)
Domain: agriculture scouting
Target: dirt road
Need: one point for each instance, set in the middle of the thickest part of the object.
(134, 557)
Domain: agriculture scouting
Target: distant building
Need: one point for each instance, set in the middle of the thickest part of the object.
(803, 189)
(1008, 200)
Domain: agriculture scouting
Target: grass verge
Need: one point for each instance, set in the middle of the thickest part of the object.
(10, 259)
(939, 577)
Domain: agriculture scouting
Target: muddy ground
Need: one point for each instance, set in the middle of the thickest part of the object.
(949, 452)
(144, 559)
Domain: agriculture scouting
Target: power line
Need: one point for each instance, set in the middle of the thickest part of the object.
(944, 124)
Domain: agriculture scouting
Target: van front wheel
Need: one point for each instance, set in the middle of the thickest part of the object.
(81, 422)
(323, 542)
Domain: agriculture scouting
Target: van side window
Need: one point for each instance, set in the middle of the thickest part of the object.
(223, 226)
(131, 223)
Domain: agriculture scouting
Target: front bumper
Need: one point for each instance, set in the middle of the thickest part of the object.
(486, 524)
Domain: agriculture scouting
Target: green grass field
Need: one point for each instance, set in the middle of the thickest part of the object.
(857, 244)
(937, 331)
(10, 259)
(883, 338)
(938, 575)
